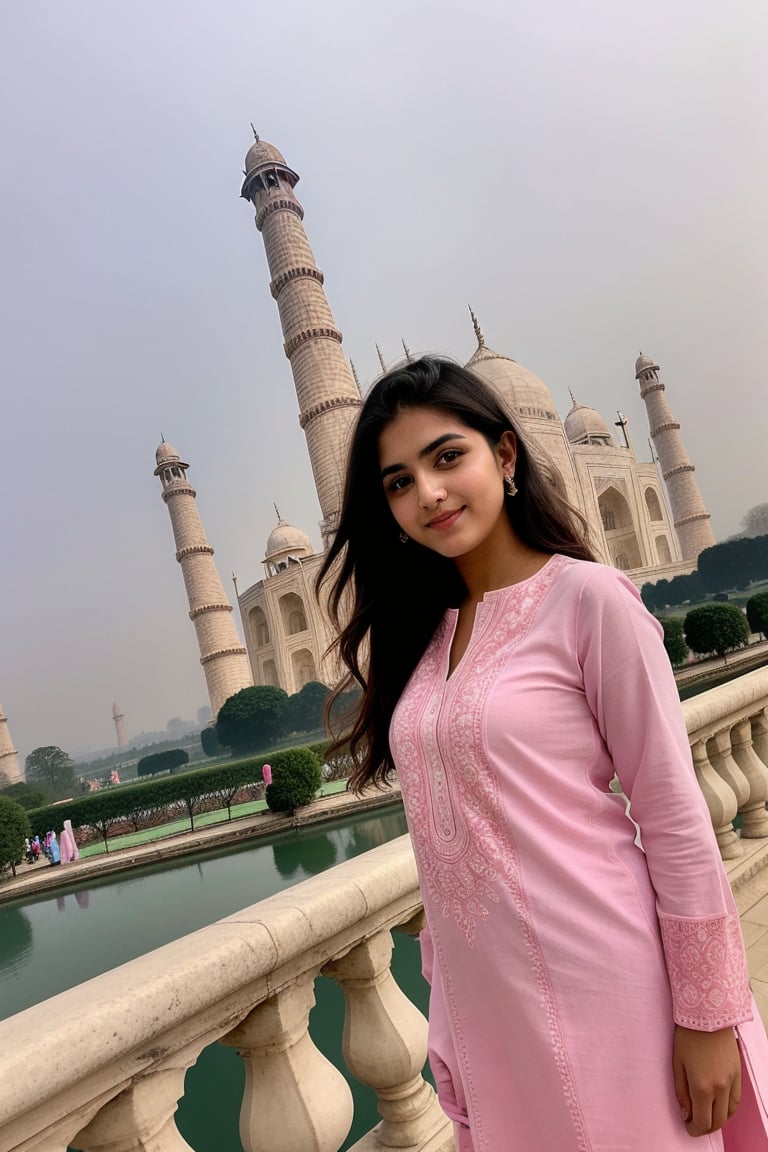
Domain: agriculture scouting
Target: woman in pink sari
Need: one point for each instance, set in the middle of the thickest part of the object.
(588, 994)
(68, 844)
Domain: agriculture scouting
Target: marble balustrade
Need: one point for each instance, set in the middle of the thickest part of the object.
(728, 732)
(131, 1034)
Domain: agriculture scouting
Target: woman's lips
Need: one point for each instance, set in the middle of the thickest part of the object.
(447, 520)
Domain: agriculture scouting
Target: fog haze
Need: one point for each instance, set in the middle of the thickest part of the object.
(591, 177)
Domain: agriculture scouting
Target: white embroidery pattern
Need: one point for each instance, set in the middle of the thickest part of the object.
(707, 971)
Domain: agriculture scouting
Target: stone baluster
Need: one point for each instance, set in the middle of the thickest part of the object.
(760, 735)
(294, 1098)
(721, 801)
(385, 1046)
(754, 816)
(140, 1119)
(721, 757)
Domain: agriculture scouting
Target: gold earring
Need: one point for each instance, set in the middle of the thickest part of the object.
(509, 484)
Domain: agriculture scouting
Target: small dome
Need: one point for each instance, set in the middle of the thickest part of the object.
(260, 152)
(583, 425)
(166, 453)
(643, 363)
(286, 539)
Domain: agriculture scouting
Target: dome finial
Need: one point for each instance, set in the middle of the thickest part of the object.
(573, 398)
(255, 133)
(477, 328)
(280, 520)
(407, 351)
(381, 359)
(354, 373)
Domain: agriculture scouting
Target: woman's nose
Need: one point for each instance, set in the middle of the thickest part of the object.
(430, 493)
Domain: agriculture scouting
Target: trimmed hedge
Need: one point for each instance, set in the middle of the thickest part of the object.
(162, 761)
(143, 804)
(296, 777)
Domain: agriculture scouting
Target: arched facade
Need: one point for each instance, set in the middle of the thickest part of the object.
(293, 614)
(619, 529)
(653, 505)
(258, 628)
(303, 667)
(662, 550)
(287, 634)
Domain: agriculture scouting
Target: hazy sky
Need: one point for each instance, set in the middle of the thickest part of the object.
(590, 175)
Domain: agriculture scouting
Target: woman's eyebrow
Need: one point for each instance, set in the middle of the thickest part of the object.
(424, 452)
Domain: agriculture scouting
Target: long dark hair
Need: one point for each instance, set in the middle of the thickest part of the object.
(386, 600)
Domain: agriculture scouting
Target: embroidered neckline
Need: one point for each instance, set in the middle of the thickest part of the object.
(520, 600)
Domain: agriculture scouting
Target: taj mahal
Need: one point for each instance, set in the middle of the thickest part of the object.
(649, 519)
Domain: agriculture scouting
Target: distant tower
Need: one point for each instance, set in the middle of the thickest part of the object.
(328, 396)
(222, 656)
(690, 515)
(118, 718)
(10, 772)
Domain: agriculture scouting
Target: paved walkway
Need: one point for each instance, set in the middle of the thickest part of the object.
(743, 659)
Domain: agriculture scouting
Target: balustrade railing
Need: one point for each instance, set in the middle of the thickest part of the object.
(124, 1041)
(728, 732)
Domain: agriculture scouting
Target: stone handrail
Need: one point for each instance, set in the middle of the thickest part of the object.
(728, 732)
(124, 1040)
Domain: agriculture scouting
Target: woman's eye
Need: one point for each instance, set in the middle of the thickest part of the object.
(450, 456)
(399, 483)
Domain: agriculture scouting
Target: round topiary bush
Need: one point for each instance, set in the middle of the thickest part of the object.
(296, 778)
(757, 613)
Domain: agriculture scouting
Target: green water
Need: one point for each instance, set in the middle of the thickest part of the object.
(52, 943)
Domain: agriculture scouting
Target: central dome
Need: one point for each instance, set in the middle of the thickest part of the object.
(519, 389)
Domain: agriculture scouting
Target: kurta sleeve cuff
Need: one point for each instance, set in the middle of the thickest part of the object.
(707, 971)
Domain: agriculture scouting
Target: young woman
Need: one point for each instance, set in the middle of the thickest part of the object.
(586, 993)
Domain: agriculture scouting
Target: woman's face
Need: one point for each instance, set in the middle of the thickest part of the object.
(443, 481)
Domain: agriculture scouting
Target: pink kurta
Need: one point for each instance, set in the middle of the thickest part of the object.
(563, 953)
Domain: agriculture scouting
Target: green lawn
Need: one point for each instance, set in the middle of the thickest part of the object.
(738, 597)
(202, 821)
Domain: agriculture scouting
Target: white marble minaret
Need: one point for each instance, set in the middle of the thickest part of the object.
(690, 516)
(118, 717)
(222, 655)
(10, 772)
(328, 396)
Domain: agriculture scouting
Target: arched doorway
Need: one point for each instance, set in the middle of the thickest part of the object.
(619, 528)
(662, 550)
(303, 664)
(259, 627)
(653, 505)
(293, 615)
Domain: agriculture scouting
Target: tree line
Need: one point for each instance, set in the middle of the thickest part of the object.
(296, 778)
(735, 563)
(714, 628)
